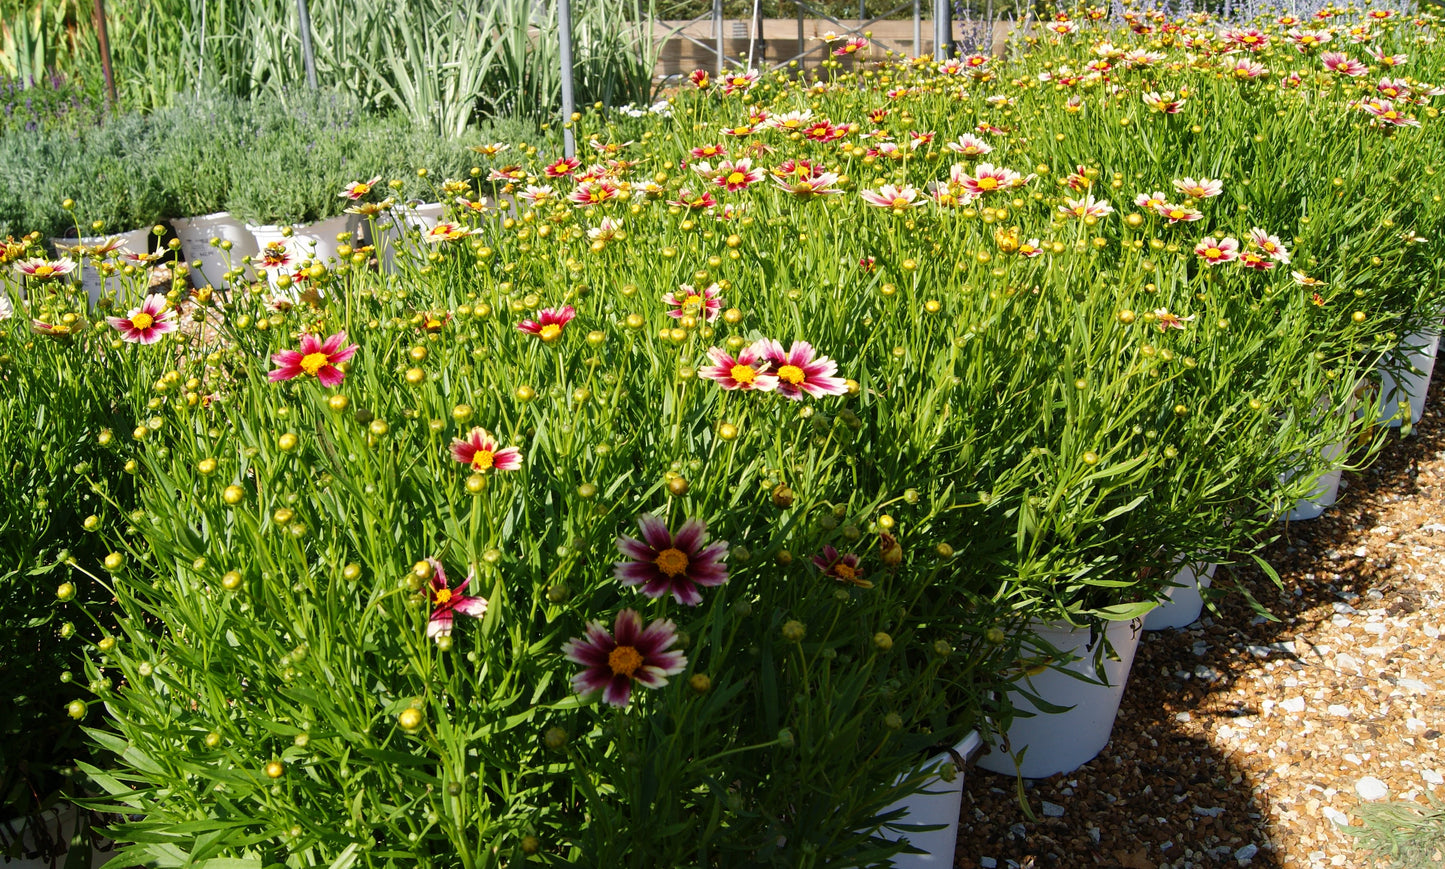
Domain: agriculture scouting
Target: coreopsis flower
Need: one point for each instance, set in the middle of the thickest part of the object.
(1178, 213)
(141, 260)
(1387, 60)
(630, 653)
(1383, 112)
(433, 321)
(317, 358)
(146, 323)
(1246, 70)
(891, 196)
(739, 132)
(491, 150)
(482, 453)
(747, 372)
(737, 175)
(448, 601)
(868, 264)
(605, 231)
(7, 307)
(1338, 63)
(508, 174)
(708, 152)
(1202, 188)
(1251, 260)
(358, 189)
(1269, 245)
(1062, 28)
(1393, 88)
(371, 209)
(608, 149)
(800, 372)
(730, 211)
(1086, 207)
(45, 270)
(820, 184)
(536, 194)
(590, 193)
(700, 79)
(1141, 57)
(1250, 40)
(1214, 252)
(843, 568)
(1164, 103)
(852, 46)
(1151, 201)
(951, 66)
(790, 122)
(987, 178)
(663, 563)
(447, 231)
(471, 206)
(969, 145)
(1029, 249)
(690, 302)
(1167, 321)
(1078, 180)
(1305, 280)
(561, 167)
(549, 323)
(696, 201)
(69, 326)
(740, 82)
(1305, 41)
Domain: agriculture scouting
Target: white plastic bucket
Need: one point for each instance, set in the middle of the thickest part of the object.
(196, 233)
(1419, 351)
(404, 220)
(1183, 603)
(135, 241)
(1064, 741)
(1326, 491)
(938, 803)
(322, 234)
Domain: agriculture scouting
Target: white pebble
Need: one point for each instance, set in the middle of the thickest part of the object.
(1053, 810)
(1371, 788)
(1433, 777)
(1293, 704)
(1246, 854)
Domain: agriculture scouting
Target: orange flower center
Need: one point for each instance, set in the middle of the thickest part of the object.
(314, 362)
(550, 332)
(672, 562)
(845, 571)
(791, 373)
(443, 595)
(624, 661)
(483, 460)
(142, 321)
(743, 374)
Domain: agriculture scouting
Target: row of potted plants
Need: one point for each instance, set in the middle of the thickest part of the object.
(741, 466)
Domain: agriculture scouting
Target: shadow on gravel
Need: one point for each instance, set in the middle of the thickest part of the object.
(1161, 794)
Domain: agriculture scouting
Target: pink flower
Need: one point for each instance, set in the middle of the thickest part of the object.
(799, 372)
(480, 450)
(746, 372)
(1168, 321)
(449, 601)
(891, 196)
(1086, 207)
(988, 178)
(1270, 245)
(688, 301)
(44, 270)
(146, 324)
(614, 661)
(1202, 188)
(1215, 252)
(549, 323)
(562, 167)
(316, 358)
(664, 563)
(843, 568)
(969, 145)
(1337, 62)
(1178, 213)
(357, 189)
(734, 176)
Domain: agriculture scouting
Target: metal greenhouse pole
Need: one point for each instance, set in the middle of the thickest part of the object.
(569, 99)
(942, 29)
(307, 56)
(103, 36)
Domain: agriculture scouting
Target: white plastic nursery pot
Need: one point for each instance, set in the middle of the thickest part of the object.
(322, 234)
(196, 233)
(1184, 603)
(938, 803)
(135, 241)
(1326, 491)
(1413, 385)
(1064, 741)
(403, 219)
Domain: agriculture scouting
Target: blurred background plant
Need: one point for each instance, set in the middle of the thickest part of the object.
(1402, 834)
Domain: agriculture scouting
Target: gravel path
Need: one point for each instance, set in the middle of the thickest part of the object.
(1243, 742)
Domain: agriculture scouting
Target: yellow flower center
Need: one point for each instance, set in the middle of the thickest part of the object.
(791, 373)
(900, 202)
(1213, 253)
(743, 374)
(987, 183)
(1178, 213)
(141, 321)
(314, 362)
(550, 332)
(361, 189)
(624, 661)
(443, 595)
(44, 271)
(672, 562)
(736, 177)
(483, 460)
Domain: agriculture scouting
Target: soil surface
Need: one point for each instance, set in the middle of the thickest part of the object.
(1247, 742)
